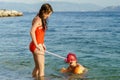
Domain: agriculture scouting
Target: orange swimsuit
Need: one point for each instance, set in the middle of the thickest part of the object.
(39, 33)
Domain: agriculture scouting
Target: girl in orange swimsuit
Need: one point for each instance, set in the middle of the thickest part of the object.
(37, 33)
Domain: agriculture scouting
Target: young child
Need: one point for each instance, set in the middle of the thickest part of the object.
(73, 67)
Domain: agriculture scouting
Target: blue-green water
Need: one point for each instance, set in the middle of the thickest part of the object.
(93, 36)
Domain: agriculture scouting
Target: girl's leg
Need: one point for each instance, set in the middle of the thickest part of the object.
(35, 70)
(41, 65)
(40, 61)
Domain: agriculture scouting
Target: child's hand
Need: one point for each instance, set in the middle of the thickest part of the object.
(63, 70)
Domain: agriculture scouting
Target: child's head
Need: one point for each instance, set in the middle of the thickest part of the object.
(71, 57)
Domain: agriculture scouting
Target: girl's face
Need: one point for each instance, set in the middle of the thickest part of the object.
(47, 15)
(72, 61)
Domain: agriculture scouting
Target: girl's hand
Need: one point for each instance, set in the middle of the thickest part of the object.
(44, 46)
(40, 47)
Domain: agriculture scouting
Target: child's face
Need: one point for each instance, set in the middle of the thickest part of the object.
(72, 61)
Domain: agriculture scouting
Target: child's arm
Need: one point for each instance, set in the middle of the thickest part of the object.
(64, 70)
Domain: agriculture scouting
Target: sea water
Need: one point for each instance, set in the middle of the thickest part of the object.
(93, 36)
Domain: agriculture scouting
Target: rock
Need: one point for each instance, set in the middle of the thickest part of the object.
(10, 13)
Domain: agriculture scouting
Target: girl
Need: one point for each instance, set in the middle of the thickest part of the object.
(37, 33)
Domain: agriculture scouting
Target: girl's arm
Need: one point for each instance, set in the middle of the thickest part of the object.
(35, 23)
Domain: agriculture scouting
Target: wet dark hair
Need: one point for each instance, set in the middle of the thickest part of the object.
(45, 9)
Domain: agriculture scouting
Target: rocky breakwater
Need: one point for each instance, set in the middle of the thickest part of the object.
(10, 13)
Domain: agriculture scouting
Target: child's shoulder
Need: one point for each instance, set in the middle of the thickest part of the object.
(78, 65)
(79, 69)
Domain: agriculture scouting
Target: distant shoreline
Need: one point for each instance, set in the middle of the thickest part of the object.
(72, 11)
(10, 13)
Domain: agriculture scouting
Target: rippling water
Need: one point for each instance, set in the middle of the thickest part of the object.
(93, 36)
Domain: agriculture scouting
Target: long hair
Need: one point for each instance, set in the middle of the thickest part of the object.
(45, 9)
